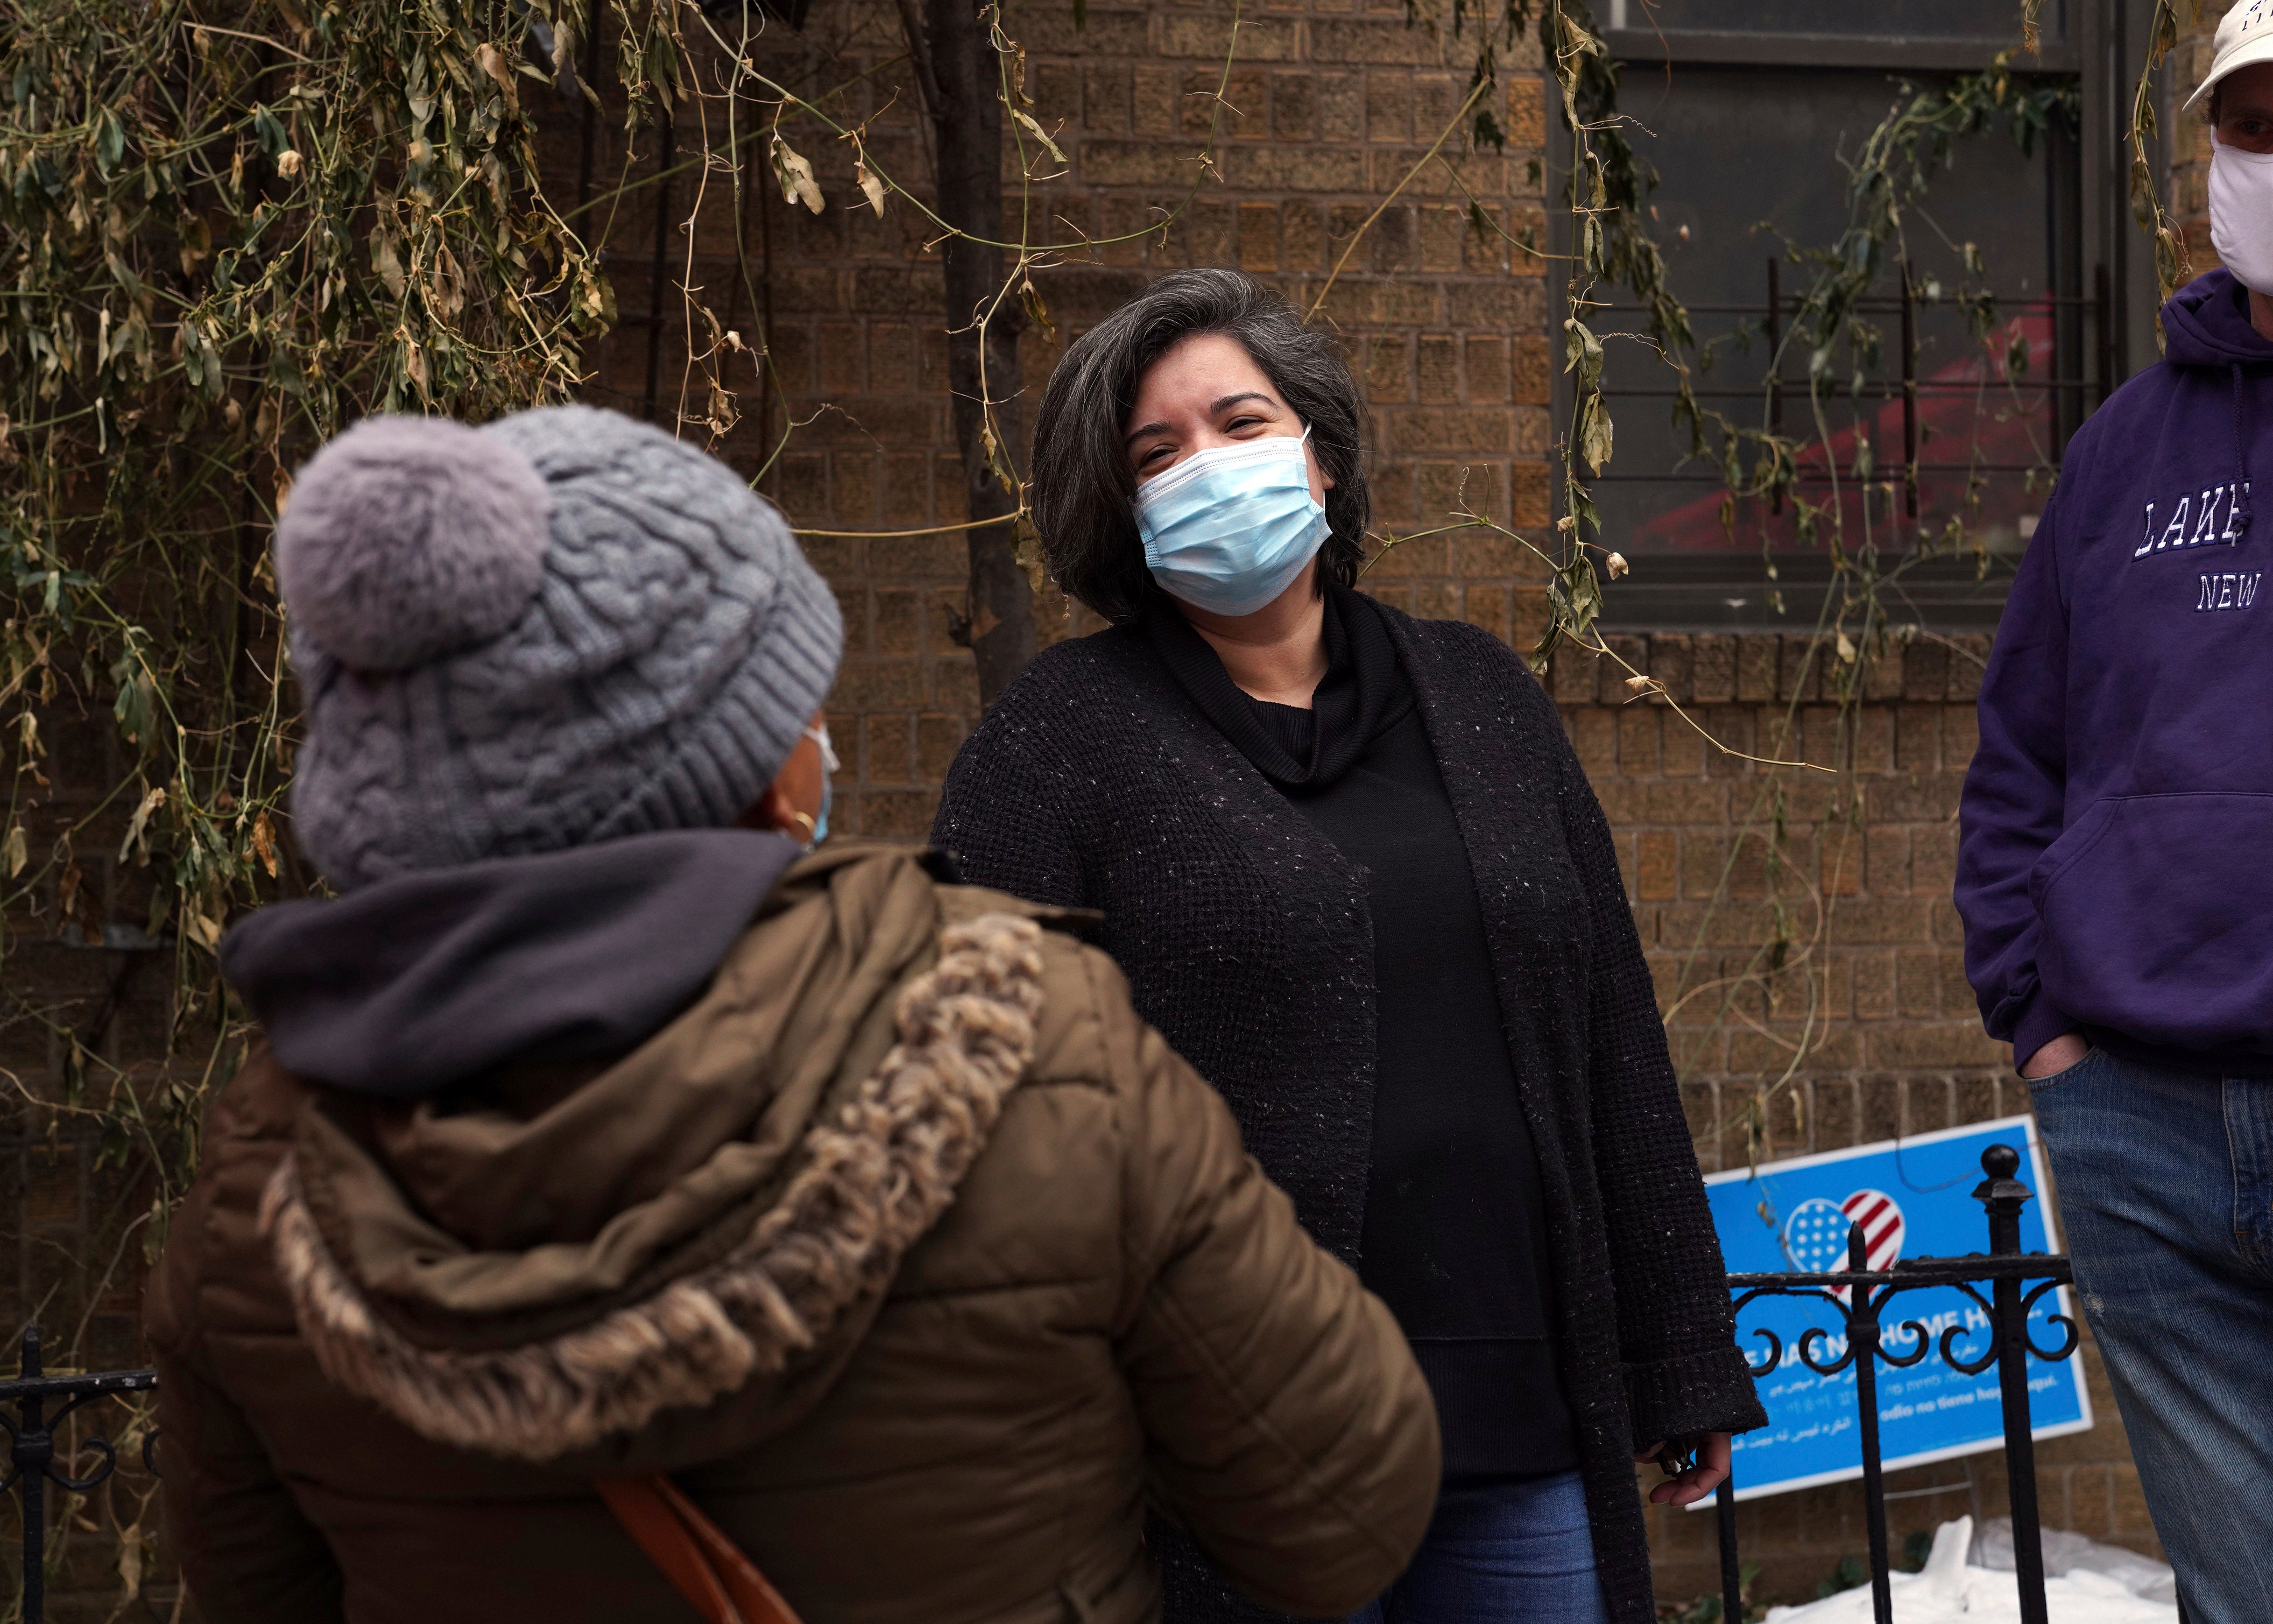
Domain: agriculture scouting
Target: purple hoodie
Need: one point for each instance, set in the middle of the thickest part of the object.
(2115, 872)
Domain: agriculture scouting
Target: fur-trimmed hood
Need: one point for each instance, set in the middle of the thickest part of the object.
(639, 1263)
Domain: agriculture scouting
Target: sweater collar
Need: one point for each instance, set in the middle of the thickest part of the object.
(1362, 692)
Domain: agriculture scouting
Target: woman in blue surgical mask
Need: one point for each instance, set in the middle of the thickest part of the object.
(1354, 873)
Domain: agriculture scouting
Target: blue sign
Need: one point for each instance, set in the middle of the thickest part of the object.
(1914, 1198)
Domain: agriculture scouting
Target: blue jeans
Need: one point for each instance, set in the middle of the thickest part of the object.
(2166, 1194)
(1518, 1552)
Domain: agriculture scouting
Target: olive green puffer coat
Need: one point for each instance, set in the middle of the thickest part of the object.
(919, 1261)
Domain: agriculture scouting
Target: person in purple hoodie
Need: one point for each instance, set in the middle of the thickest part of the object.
(2115, 873)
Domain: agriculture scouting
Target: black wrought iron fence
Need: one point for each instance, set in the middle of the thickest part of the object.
(1859, 1297)
(2003, 1272)
(32, 1462)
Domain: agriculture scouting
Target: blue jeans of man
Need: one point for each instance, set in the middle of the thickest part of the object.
(2165, 1186)
(1519, 1551)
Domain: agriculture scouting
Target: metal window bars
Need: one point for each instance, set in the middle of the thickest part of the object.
(2004, 1272)
(2066, 394)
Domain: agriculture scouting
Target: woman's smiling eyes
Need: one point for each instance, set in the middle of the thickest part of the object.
(1240, 425)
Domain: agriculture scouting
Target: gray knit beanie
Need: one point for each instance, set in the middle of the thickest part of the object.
(562, 628)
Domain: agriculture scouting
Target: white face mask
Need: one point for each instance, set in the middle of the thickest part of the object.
(2241, 213)
(1230, 527)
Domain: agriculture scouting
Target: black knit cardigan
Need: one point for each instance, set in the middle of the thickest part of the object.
(1246, 937)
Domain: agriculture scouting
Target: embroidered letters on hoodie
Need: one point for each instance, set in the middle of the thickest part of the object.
(2230, 591)
(2175, 534)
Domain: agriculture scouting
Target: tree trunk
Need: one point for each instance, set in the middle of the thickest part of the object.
(960, 74)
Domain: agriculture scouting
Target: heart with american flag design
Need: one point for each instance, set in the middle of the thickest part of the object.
(1815, 1235)
(1882, 1226)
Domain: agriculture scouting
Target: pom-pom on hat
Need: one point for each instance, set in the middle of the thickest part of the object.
(407, 537)
(561, 628)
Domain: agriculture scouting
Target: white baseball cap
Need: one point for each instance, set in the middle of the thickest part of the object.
(2244, 38)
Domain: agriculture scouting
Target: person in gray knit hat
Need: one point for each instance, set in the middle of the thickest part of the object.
(563, 628)
(621, 1193)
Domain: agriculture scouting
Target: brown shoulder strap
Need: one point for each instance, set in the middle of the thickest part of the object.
(708, 1568)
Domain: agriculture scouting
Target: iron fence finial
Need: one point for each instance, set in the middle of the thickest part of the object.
(2003, 1196)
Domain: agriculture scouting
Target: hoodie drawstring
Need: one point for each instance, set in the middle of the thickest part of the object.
(2237, 514)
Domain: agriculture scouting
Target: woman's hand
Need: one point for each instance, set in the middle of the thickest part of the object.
(1697, 1478)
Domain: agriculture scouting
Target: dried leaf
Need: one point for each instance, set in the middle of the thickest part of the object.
(1040, 134)
(1846, 649)
(1639, 684)
(1575, 596)
(493, 63)
(1031, 558)
(386, 259)
(15, 851)
(194, 240)
(795, 175)
(1582, 352)
(1594, 431)
(137, 828)
(870, 186)
(1037, 311)
(596, 297)
(1617, 565)
(136, 708)
(131, 1541)
(287, 163)
(264, 843)
(446, 293)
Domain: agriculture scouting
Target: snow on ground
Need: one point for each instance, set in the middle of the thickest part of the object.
(1948, 1592)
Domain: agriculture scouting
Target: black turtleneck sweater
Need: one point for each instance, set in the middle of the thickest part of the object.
(1454, 1235)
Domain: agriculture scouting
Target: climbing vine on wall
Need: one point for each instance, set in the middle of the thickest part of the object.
(224, 235)
(226, 231)
(1860, 525)
(1832, 337)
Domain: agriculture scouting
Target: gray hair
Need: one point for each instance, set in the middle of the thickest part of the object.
(1083, 490)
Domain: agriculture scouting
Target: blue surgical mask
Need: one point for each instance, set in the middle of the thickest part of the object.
(1228, 528)
(829, 766)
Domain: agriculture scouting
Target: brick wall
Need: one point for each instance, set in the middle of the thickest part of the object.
(1328, 108)
(1868, 858)
(2188, 137)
